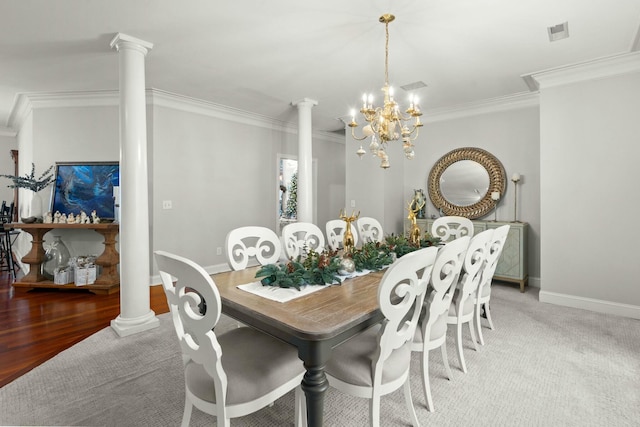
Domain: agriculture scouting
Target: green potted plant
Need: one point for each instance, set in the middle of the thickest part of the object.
(30, 182)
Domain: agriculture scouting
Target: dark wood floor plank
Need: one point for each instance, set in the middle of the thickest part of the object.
(37, 325)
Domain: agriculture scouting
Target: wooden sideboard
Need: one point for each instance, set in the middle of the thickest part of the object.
(107, 282)
(512, 266)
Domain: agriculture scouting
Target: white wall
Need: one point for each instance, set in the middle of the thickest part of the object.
(219, 173)
(590, 199)
(512, 136)
(374, 190)
(364, 182)
(70, 134)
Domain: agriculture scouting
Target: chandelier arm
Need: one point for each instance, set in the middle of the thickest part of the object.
(353, 135)
(413, 137)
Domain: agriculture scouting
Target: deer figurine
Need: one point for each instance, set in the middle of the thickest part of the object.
(414, 233)
(347, 240)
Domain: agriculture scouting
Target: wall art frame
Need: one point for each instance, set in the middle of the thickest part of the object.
(86, 186)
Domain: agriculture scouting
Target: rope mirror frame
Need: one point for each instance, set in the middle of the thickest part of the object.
(497, 182)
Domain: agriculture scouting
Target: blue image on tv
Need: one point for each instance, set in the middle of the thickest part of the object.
(86, 187)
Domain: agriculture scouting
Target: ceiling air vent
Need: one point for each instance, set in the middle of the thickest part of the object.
(414, 86)
(558, 32)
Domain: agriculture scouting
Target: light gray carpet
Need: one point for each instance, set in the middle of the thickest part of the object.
(544, 365)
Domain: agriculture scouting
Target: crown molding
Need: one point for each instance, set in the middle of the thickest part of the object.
(491, 105)
(485, 106)
(27, 102)
(188, 104)
(599, 68)
(7, 132)
(19, 111)
(162, 98)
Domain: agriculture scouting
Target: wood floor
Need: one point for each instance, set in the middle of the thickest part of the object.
(38, 324)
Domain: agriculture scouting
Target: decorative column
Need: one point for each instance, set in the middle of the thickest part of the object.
(305, 172)
(135, 310)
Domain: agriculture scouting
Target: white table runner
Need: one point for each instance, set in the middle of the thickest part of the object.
(275, 293)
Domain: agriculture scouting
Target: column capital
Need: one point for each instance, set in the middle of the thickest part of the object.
(305, 102)
(126, 41)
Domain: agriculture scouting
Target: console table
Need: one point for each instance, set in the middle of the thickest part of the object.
(512, 266)
(107, 282)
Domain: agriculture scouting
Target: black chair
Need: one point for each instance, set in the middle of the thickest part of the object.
(7, 235)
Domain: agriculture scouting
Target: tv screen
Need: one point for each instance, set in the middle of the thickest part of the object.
(85, 186)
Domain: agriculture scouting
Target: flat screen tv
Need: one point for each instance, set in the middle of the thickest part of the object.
(85, 186)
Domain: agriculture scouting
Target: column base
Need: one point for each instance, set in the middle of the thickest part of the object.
(125, 327)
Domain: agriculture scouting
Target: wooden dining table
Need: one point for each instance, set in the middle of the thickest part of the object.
(314, 323)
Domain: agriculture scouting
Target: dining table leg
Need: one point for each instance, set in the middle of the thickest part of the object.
(314, 355)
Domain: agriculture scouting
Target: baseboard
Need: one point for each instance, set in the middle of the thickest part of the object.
(211, 269)
(600, 306)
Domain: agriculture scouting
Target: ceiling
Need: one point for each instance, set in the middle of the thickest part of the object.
(259, 56)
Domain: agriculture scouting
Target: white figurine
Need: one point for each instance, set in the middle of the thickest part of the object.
(94, 217)
(71, 219)
(78, 219)
(48, 218)
(63, 219)
(56, 217)
(84, 219)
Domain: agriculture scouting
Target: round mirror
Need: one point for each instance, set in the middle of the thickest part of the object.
(464, 183)
(461, 182)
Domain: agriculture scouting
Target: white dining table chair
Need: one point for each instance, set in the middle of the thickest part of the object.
(299, 237)
(369, 229)
(228, 375)
(244, 244)
(461, 311)
(335, 229)
(483, 296)
(432, 330)
(378, 361)
(451, 227)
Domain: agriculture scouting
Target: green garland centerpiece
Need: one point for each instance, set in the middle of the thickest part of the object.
(373, 256)
(323, 268)
(313, 269)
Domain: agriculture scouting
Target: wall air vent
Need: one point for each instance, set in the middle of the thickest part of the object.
(558, 32)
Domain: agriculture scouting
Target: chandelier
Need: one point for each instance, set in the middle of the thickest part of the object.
(387, 123)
